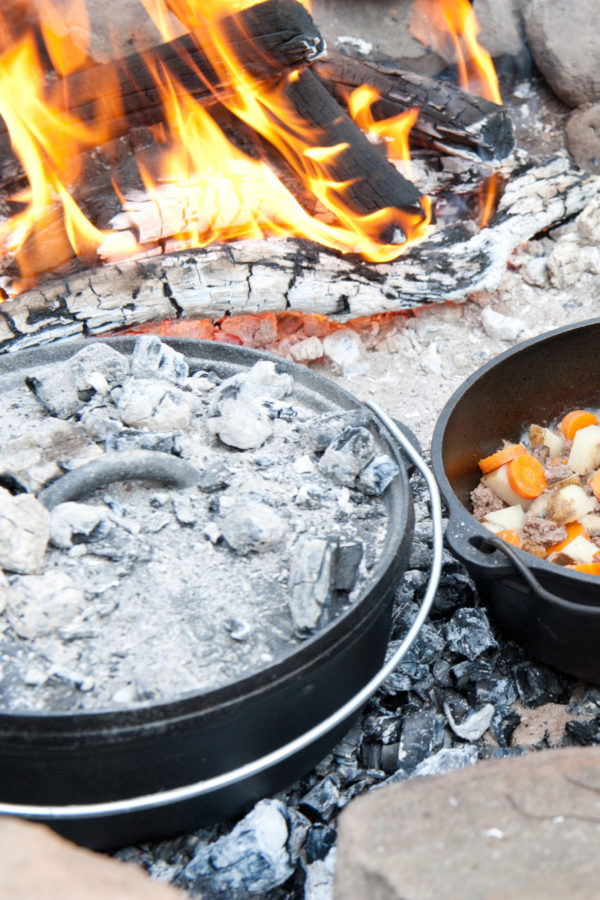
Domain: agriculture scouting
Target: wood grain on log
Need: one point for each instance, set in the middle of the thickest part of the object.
(276, 274)
(450, 120)
(269, 38)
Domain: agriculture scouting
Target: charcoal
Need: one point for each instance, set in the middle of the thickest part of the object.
(152, 358)
(251, 860)
(24, 533)
(310, 581)
(310, 496)
(588, 705)
(467, 723)
(584, 734)
(422, 735)
(252, 526)
(98, 359)
(57, 391)
(468, 632)
(347, 455)
(276, 410)
(495, 689)
(448, 760)
(420, 555)
(504, 721)
(184, 510)
(214, 478)
(261, 382)
(238, 630)
(347, 563)
(442, 673)
(132, 439)
(377, 475)
(40, 604)
(154, 405)
(242, 423)
(319, 841)
(323, 430)
(101, 421)
(323, 799)
(470, 671)
(74, 523)
(537, 684)
(412, 582)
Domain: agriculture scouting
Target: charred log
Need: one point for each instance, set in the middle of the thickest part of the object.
(450, 120)
(268, 38)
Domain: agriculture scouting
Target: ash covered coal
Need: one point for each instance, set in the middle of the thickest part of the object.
(166, 532)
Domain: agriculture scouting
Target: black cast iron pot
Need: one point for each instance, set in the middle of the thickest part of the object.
(552, 611)
(99, 757)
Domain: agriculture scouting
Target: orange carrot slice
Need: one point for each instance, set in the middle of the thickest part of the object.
(526, 476)
(501, 457)
(574, 529)
(510, 536)
(574, 421)
(595, 484)
(588, 568)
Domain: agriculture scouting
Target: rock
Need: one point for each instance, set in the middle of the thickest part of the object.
(501, 27)
(565, 45)
(74, 523)
(509, 828)
(35, 862)
(583, 137)
(42, 604)
(24, 533)
(252, 526)
(588, 221)
(255, 857)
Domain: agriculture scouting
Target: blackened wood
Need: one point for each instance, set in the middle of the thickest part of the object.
(450, 120)
(372, 182)
(268, 38)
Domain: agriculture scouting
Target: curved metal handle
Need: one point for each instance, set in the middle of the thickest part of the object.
(227, 779)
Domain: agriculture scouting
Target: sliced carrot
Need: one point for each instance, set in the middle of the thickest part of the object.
(595, 484)
(526, 476)
(574, 529)
(574, 421)
(510, 536)
(588, 568)
(501, 457)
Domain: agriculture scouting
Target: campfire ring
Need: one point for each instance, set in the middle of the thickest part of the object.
(552, 611)
(206, 757)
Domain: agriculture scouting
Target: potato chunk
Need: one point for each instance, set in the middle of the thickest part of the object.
(585, 452)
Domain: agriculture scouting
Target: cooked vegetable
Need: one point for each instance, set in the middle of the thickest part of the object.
(585, 452)
(574, 529)
(526, 476)
(511, 537)
(497, 481)
(510, 518)
(574, 421)
(588, 568)
(489, 463)
(595, 484)
(539, 436)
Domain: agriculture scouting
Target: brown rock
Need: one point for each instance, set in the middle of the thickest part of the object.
(513, 828)
(37, 864)
(583, 137)
(565, 43)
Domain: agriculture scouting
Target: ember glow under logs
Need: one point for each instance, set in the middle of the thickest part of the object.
(246, 140)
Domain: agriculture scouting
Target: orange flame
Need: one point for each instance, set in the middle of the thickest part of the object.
(393, 131)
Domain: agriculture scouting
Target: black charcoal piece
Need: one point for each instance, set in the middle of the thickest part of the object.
(323, 430)
(152, 358)
(347, 455)
(56, 390)
(310, 581)
(347, 564)
(537, 684)
(377, 475)
(504, 721)
(467, 723)
(319, 841)
(448, 760)
(468, 632)
(323, 799)
(584, 734)
(422, 736)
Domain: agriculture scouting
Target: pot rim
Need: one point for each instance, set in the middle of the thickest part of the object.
(538, 567)
(307, 656)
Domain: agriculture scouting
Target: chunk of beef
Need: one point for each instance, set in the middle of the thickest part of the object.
(541, 452)
(485, 501)
(556, 472)
(543, 532)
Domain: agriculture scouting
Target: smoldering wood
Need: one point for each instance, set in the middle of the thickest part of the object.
(450, 120)
(269, 38)
(287, 274)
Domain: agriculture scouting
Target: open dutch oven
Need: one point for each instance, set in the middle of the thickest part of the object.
(552, 611)
(112, 777)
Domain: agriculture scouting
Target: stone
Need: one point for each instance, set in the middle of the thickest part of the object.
(566, 47)
(24, 533)
(583, 137)
(507, 828)
(501, 30)
(75, 523)
(35, 862)
(41, 604)
(252, 526)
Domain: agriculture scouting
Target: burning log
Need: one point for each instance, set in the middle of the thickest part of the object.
(269, 39)
(258, 276)
(450, 120)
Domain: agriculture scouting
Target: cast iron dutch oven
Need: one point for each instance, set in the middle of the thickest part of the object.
(152, 750)
(552, 611)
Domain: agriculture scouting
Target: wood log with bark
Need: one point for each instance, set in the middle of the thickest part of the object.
(279, 274)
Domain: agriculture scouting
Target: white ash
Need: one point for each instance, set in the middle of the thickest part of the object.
(141, 594)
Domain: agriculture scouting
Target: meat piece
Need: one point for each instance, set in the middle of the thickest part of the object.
(485, 501)
(533, 548)
(541, 452)
(556, 472)
(543, 532)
